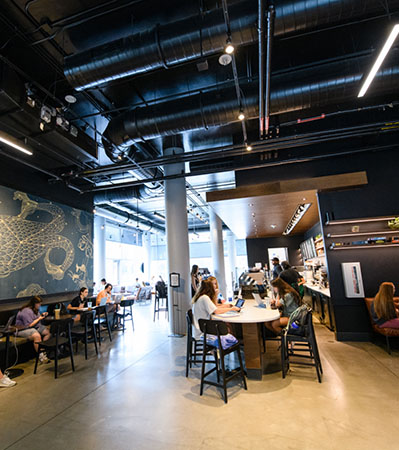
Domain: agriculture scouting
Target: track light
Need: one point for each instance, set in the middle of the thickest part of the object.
(159, 215)
(229, 48)
(12, 142)
(380, 59)
(296, 217)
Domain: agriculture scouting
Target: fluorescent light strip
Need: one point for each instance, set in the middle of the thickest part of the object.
(296, 217)
(387, 46)
(11, 143)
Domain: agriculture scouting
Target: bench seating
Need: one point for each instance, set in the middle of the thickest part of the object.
(387, 332)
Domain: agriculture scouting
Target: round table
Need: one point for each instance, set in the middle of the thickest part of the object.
(252, 317)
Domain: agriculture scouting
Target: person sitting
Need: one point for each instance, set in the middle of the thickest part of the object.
(5, 382)
(78, 303)
(204, 305)
(287, 300)
(292, 277)
(219, 295)
(29, 318)
(106, 292)
(384, 312)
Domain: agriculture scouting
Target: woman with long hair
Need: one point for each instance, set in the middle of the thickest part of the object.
(29, 318)
(383, 309)
(287, 301)
(219, 295)
(204, 305)
(195, 279)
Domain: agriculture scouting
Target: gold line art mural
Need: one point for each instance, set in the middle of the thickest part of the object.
(45, 247)
(23, 241)
(31, 289)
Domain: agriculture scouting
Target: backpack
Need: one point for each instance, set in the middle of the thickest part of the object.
(297, 323)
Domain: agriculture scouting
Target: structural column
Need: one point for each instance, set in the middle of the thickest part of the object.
(99, 256)
(177, 237)
(232, 252)
(217, 250)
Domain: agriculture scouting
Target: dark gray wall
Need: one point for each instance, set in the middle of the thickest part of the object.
(257, 249)
(379, 198)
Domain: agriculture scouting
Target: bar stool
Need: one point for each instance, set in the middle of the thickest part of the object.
(158, 308)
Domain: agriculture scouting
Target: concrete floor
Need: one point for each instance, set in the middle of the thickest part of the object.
(135, 396)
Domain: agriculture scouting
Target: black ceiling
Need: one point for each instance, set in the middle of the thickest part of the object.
(321, 51)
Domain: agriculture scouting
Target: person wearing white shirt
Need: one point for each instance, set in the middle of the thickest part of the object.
(204, 305)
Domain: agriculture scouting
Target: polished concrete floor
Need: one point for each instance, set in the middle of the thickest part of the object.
(135, 395)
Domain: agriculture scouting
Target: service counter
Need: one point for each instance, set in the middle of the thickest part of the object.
(320, 300)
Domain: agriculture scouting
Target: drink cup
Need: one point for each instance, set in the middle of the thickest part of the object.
(89, 304)
(57, 314)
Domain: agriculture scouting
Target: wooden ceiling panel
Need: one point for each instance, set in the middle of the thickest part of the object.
(254, 216)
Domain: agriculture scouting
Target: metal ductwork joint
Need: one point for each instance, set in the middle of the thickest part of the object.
(165, 46)
(298, 90)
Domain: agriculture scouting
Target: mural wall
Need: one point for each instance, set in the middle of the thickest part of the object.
(45, 247)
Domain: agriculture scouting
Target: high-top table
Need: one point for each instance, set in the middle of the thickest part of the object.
(252, 317)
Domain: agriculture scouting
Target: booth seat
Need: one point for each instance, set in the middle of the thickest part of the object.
(387, 332)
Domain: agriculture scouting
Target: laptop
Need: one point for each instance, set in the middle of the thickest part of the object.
(103, 301)
(259, 300)
(240, 303)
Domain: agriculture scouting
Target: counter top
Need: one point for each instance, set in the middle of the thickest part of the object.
(314, 287)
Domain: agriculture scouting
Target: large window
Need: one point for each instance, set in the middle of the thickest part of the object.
(124, 263)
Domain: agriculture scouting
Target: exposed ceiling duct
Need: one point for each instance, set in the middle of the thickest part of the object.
(322, 85)
(165, 46)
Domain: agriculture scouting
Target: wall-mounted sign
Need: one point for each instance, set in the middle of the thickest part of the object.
(353, 281)
(174, 279)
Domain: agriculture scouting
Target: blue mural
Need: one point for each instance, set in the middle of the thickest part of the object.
(45, 247)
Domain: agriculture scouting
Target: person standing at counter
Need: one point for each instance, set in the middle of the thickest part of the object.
(287, 301)
(195, 279)
(384, 311)
(276, 268)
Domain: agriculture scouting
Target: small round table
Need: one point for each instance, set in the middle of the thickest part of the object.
(252, 317)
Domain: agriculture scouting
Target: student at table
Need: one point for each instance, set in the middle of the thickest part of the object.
(287, 301)
(78, 303)
(29, 318)
(384, 311)
(204, 305)
(106, 292)
(5, 382)
(219, 295)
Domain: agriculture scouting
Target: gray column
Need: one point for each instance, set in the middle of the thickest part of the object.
(99, 256)
(217, 250)
(232, 252)
(177, 238)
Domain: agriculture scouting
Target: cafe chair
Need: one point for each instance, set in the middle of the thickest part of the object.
(126, 312)
(84, 330)
(102, 320)
(60, 331)
(194, 347)
(301, 347)
(158, 305)
(218, 328)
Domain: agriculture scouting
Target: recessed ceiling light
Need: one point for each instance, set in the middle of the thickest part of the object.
(70, 98)
(273, 225)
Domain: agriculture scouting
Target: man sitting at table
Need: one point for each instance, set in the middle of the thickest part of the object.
(29, 318)
(78, 303)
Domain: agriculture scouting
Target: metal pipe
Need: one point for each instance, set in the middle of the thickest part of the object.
(268, 67)
(261, 64)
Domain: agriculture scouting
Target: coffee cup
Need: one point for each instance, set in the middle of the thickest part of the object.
(89, 304)
(57, 314)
